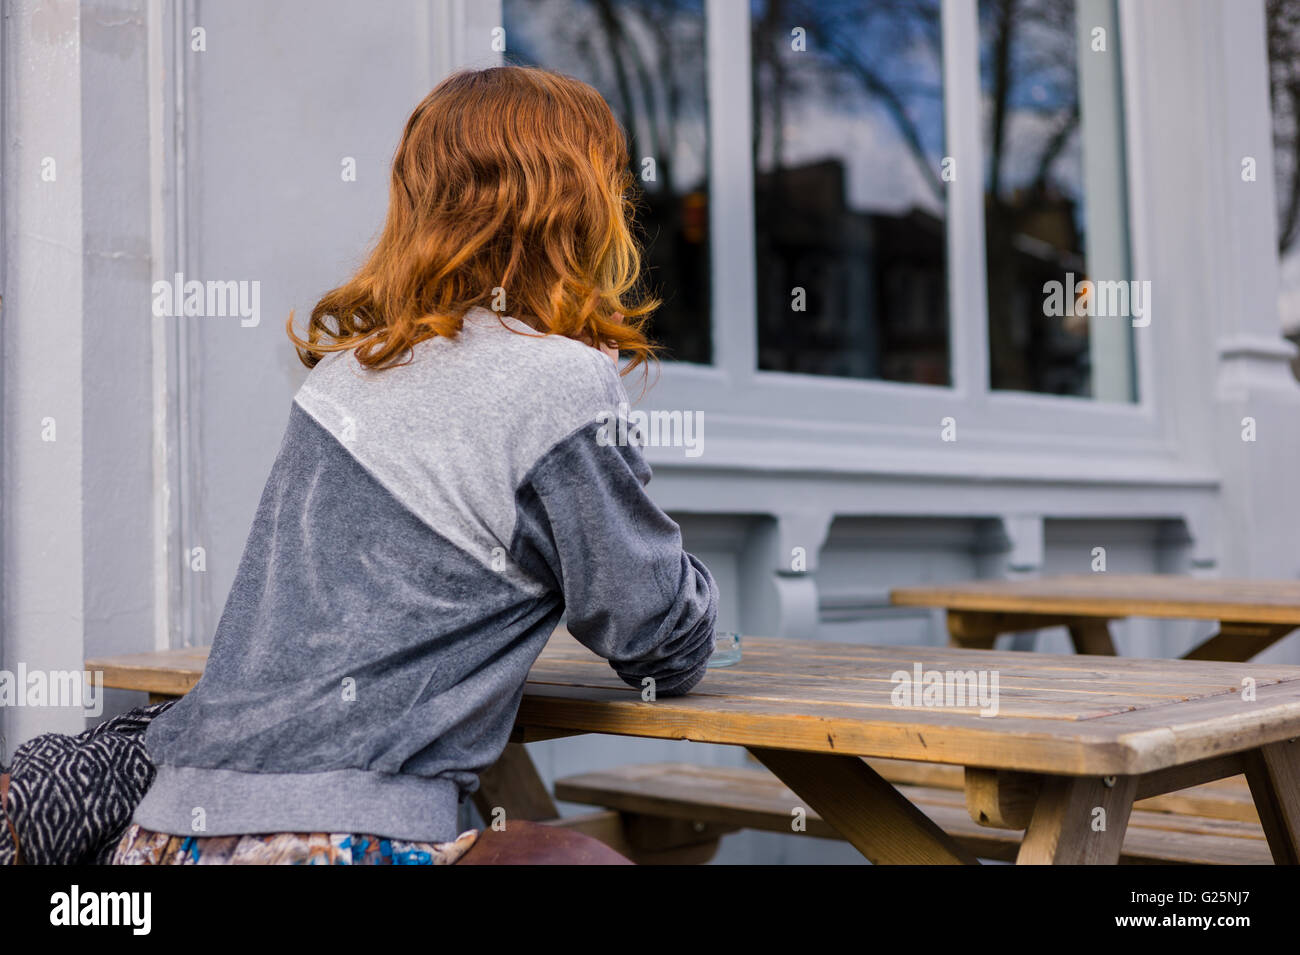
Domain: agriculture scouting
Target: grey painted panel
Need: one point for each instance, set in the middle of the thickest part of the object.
(283, 94)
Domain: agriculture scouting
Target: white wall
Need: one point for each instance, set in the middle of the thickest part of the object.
(77, 560)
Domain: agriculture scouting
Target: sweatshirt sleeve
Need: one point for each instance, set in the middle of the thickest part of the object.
(585, 524)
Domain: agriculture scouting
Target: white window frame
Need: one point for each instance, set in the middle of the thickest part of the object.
(765, 419)
(855, 420)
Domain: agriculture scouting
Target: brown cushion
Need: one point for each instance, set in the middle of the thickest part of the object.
(531, 843)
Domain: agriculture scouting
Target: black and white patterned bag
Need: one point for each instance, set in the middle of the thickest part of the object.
(69, 799)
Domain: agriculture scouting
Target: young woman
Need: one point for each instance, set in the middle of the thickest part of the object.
(445, 491)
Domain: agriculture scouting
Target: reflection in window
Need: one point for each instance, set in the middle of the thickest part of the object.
(647, 58)
(1283, 24)
(849, 199)
(1055, 199)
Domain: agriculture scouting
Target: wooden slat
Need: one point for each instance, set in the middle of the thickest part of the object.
(1239, 641)
(1224, 798)
(1186, 775)
(1083, 715)
(713, 795)
(1228, 799)
(1119, 595)
(1147, 841)
(164, 673)
(909, 772)
(977, 629)
(756, 799)
(1128, 743)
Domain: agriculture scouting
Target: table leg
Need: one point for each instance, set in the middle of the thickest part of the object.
(1079, 821)
(1237, 642)
(971, 631)
(512, 783)
(1092, 635)
(866, 810)
(1273, 772)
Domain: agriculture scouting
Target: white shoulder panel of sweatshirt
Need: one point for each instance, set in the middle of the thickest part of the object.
(452, 433)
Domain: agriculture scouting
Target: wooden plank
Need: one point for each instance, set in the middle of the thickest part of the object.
(846, 680)
(846, 677)
(1146, 842)
(1232, 802)
(1078, 821)
(1216, 792)
(1274, 775)
(1119, 595)
(1239, 641)
(1124, 744)
(1092, 636)
(978, 629)
(1084, 715)
(866, 810)
(524, 734)
(755, 799)
(711, 795)
(1006, 800)
(164, 673)
(1213, 789)
(513, 784)
(1187, 775)
(911, 773)
(772, 664)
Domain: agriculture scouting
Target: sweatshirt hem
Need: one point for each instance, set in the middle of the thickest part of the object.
(192, 801)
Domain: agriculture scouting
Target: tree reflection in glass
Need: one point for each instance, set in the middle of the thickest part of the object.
(849, 196)
(647, 58)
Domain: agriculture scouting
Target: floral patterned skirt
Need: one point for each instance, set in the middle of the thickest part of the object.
(144, 847)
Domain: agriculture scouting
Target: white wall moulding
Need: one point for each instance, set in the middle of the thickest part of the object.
(47, 253)
(1256, 398)
(778, 561)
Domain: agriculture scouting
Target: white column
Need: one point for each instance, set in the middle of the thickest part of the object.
(1255, 391)
(78, 401)
(44, 612)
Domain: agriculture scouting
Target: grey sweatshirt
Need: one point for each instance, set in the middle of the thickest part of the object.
(423, 529)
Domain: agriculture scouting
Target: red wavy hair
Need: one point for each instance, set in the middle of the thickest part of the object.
(509, 179)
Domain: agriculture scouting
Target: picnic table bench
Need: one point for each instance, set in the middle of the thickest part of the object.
(1075, 742)
(1252, 614)
(1211, 824)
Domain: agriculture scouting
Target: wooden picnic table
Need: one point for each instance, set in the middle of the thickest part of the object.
(1252, 614)
(1075, 740)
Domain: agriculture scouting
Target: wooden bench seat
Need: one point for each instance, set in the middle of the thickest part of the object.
(1223, 829)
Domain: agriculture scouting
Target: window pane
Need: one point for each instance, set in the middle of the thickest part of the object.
(1056, 200)
(647, 58)
(849, 199)
(1283, 20)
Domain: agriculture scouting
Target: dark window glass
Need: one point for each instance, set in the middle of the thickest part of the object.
(1038, 59)
(647, 58)
(1283, 19)
(849, 196)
